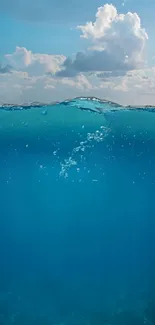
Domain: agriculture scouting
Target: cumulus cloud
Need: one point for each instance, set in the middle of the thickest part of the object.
(5, 68)
(118, 43)
(110, 74)
(80, 82)
(34, 63)
(19, 87)
(136, 87)
(94, 61)
(113, 67)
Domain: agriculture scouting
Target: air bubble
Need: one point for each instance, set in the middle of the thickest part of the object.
(91, 138)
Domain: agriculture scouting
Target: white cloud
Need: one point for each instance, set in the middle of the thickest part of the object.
(34, 63)
(49, 86)
(104, 18)
(136, 87)
(19, 87)
(111, 26)
(113, 67)
(80, 82)
(118, 43)
(5, 69)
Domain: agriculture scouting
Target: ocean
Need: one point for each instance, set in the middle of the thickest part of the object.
(77, 217)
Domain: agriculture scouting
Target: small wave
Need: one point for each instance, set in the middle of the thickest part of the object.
(40, 119)
(93, 104)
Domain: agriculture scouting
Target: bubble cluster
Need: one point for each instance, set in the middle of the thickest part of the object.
(68, 163)
(91, 138)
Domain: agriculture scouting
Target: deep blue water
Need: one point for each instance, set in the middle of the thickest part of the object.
(77, 215)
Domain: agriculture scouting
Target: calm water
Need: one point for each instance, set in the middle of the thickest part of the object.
(77, 217)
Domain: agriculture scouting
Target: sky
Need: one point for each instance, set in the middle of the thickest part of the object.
(58, 49)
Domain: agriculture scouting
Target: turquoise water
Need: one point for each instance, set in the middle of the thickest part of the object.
(77, 218)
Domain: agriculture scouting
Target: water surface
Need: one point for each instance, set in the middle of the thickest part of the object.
(77, 218)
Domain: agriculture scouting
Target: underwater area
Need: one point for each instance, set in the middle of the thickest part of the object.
(77, 217)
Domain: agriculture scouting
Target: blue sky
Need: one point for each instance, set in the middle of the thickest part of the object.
(41, 40)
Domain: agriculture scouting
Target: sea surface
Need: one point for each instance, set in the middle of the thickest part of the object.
(77, 214)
